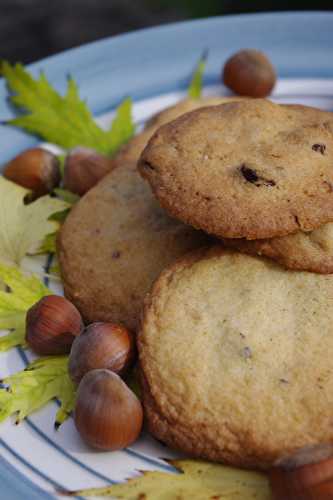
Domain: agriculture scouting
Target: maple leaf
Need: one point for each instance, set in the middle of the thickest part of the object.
(30, 389)
(23, 227)
(63, 120)
(22, 291)
(198, 480)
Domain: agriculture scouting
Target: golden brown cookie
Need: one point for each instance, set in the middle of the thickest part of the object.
(311, 251)
(235, 354)
(117, 239)
(249, 169)
(114, 243)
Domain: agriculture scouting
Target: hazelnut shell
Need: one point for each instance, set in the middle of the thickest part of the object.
(51, 325)
(101, 345)
(249, 73)
(35, 169)
(107, 414)
(308, 482)
(84, 168)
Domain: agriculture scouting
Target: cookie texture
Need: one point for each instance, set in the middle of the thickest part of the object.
(248, 169)
(235, 355)
(117, 239)
(311, 251)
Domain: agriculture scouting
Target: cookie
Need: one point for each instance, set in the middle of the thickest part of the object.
(249, 169)
(117, 239)
(235, 355)
(311, 251)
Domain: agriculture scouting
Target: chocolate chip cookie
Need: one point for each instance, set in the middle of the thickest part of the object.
(248, 169)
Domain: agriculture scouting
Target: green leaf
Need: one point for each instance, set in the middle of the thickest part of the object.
(198, 480)
(49, 244)
(67, 196)
(63, 120)
(122, 127)
(132, 380)
(23, 291)
(60, 216)
(62, 159)
(195, 88)
(23, 227)
(30, 389)
(55, 270)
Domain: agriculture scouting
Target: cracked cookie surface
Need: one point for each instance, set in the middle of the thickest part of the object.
(117, 239)
(248, 169)
(235, 355)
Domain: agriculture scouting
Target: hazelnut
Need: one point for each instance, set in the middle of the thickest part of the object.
(308, 482)
(83, 169)
(35, 169)
(249, 73)
(101, 345)
(52, 324)
(107, 413)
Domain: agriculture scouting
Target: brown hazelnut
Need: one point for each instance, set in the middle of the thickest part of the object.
(101, 345)
(249, 73)
(52, 324)
(107, 413)
(35, 169)
(308, 482)
(83, 169)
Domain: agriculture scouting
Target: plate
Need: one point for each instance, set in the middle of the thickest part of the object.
(152, 66)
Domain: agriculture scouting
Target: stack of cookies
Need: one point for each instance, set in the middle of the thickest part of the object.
(236, 338)
(236, 351)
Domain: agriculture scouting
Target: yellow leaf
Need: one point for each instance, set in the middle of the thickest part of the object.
(22, 291)
(24, 227)
(198, 480)
(30, 389)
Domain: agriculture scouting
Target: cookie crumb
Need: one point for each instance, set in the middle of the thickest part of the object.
(247, 353)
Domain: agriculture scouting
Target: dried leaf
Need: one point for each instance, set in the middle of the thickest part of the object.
(198, 480)
(23, 227)
(22, 291)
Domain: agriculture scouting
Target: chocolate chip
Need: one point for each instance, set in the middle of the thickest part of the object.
(115, 255)
(319, 148)
(250, 175)
(284, 381)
